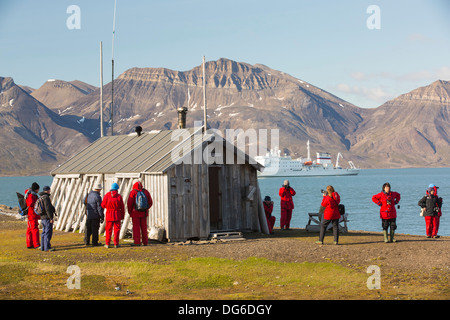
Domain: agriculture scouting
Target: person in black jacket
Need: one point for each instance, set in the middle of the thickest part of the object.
(47, 218)
(432, 204)
(95, 215)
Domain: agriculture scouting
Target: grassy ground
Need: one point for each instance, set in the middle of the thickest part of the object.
(166, 271)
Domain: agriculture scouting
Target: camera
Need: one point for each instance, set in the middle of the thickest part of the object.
(323, 191)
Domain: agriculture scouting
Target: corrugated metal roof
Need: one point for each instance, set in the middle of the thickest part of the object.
(150, 152)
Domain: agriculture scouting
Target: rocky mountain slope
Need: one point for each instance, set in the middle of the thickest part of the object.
(58, 94)
(410, 130)
(33, 138)
(239, 95)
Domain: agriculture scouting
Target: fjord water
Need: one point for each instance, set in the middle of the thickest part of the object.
(356, 194)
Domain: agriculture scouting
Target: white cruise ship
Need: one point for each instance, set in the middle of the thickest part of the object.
(276, 165)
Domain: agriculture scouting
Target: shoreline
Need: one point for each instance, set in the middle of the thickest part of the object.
(12, 212)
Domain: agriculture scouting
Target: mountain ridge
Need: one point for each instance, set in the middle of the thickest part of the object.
(240, 95)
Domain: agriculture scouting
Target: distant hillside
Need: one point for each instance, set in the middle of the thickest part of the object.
(33, 139)
(58, 94)
(412, 130)
(239, 95)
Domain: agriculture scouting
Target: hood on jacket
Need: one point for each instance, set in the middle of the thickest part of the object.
(137, 185)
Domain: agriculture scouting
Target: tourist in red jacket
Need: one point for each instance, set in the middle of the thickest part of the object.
(32, 235)
(387, 200)
(139, 218)
(439, 214)
(432, 203)
(268, 208)
(115, 212)
(287, 205)
(331, 214)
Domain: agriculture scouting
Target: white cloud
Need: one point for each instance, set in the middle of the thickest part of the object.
(418, 37)
(357, 75)
(377, 94)
(442, 73)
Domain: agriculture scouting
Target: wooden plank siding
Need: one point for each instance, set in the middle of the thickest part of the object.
(188, 205)
(188, 211)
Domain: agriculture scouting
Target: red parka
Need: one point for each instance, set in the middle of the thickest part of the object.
(115, 208)
(435, 193)
(268, 208)
(330, 204)
(30, 200)
(286, 198)
(387, 211)
(131, 202)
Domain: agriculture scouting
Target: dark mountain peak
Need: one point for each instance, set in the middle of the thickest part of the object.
(6, 83)
(224, 65)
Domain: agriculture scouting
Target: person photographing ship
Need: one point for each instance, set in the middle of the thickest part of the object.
(287, 205)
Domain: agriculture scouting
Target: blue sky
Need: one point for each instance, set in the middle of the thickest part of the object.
(326, 43)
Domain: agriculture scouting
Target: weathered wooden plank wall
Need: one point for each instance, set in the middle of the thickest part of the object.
(157, 185)
(188, 202)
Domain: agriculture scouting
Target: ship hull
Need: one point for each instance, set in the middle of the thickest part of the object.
(309, 173)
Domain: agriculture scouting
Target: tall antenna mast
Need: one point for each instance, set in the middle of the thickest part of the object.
(204, 95)
(101, 89)
(309, 154)
(112, 62)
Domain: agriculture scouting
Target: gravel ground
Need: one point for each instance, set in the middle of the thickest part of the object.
(357, 249)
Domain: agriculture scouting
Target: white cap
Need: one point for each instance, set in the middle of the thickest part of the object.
(98, 187)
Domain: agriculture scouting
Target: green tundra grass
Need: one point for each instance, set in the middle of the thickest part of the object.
(162, 271)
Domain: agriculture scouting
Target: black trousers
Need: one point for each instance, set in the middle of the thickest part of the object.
(386, 223)
(92, 227)
(323, 228)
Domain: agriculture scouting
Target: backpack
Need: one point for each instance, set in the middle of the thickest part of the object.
(341, 209)
(23, 208)
(141, 201)
(39, 206)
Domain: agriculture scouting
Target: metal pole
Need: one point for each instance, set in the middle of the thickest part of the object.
(101, 89)
(112, 100)
(204, 95)
(112, 64)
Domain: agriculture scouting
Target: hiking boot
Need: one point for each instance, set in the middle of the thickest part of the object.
(385, 235)
(392, 236)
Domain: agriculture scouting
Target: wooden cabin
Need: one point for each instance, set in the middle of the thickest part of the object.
(191, 199)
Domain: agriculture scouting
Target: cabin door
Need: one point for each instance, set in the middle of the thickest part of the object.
(215, 198)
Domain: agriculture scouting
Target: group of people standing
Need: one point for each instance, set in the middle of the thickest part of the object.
(387, 200)
(47, 216)
(138, 203)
